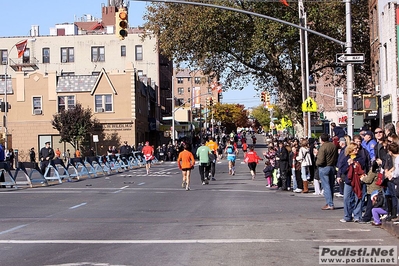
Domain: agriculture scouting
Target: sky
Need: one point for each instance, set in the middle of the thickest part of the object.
(21, 15)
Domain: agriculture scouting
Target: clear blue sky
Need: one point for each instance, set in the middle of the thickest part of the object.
(17, 18)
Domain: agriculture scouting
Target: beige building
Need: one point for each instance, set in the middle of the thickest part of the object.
(125, 84)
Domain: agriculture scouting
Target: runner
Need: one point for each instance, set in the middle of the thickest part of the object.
(186, 163)
(252, 159)
(148, 152)
(213, 146)
(231, 152)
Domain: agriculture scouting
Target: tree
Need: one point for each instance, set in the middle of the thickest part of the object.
(75, 124)
(231, 116)
(262, 115)
(241, 48)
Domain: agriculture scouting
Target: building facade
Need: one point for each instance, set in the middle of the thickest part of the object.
(125, 84)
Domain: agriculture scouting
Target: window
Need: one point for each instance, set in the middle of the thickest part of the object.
(123, 50)
(3, 56)
(26, 56)
(179, 80)
(67, 55)
(197, 80)
(98, 54)
(46, 55)
(180, 90)
(339, 96)
(188, 89)
(37, 105)
(140, 72)
(103, 103)
(139, 52)
(66, 102)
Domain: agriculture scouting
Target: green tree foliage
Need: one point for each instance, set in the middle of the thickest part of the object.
(242, 48)
(74, 125)
(262, 115)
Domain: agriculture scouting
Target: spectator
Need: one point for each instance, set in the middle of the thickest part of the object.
(353, 186)
(46, 154)
(283, 165)
(378, 203)
(32, 155)
(326, 161)
(77, 153)
(306, 161)
(297, 182)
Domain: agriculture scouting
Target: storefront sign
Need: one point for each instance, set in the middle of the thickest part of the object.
(118, 127)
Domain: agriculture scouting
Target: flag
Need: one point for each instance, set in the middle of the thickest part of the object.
(21, 47)
(284, 2)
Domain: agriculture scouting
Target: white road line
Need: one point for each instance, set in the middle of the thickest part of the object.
(185, 241)
(142, 183)
(350, 230)
(77, 206)
(124, 187)
(12, 229)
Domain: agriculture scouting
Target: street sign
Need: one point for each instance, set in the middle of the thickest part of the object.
(350, 58)
(309, 105)
(167, 118)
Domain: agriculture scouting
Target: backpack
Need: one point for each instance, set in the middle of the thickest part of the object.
(230, 150)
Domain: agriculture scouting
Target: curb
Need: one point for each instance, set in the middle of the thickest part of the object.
(391, 228)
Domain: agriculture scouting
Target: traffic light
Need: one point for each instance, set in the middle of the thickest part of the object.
(267, 98)
(121, 23)
(210, 101)
(263, 96)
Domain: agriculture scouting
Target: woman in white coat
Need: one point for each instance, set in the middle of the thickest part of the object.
(306, 161)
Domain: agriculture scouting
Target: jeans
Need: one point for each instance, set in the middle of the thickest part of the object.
(352, 204)
(327, 181)
(304, 173)
(213, 169)
(294, 183)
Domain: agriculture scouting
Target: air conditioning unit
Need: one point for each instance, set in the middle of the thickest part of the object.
(63, 60)
(377, 88)
(37, 111)
(99, 110)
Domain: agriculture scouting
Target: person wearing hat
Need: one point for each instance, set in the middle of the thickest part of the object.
(369, 143)
(378, 204)
(46, 154)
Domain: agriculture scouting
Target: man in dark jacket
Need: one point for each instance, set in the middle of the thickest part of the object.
(282, 157)
(326, 161)
(46, 154)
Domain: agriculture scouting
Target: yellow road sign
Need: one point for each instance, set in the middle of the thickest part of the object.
(309, 105)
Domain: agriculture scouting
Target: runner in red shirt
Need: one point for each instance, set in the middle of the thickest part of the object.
(148, 152)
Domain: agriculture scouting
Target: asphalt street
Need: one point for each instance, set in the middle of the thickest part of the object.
(134, 219)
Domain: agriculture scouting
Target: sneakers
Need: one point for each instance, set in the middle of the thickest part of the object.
(298, 190)
(203, 182)
(187, 188)
(344, 221)
(338, 195)
(327, 208)
(233, 172)
(383, 216)
(214, 179)
(267, 185)
(375, 224)
(253, 177)
(183, 184)
(230, 171)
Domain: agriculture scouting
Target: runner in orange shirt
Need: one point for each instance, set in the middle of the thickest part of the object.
(213, 146)
(186, 163)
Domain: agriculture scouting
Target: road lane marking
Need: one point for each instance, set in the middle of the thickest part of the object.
(77, 206)
(184, 241)
(13, 229)
(350, 230)
(142, 183)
